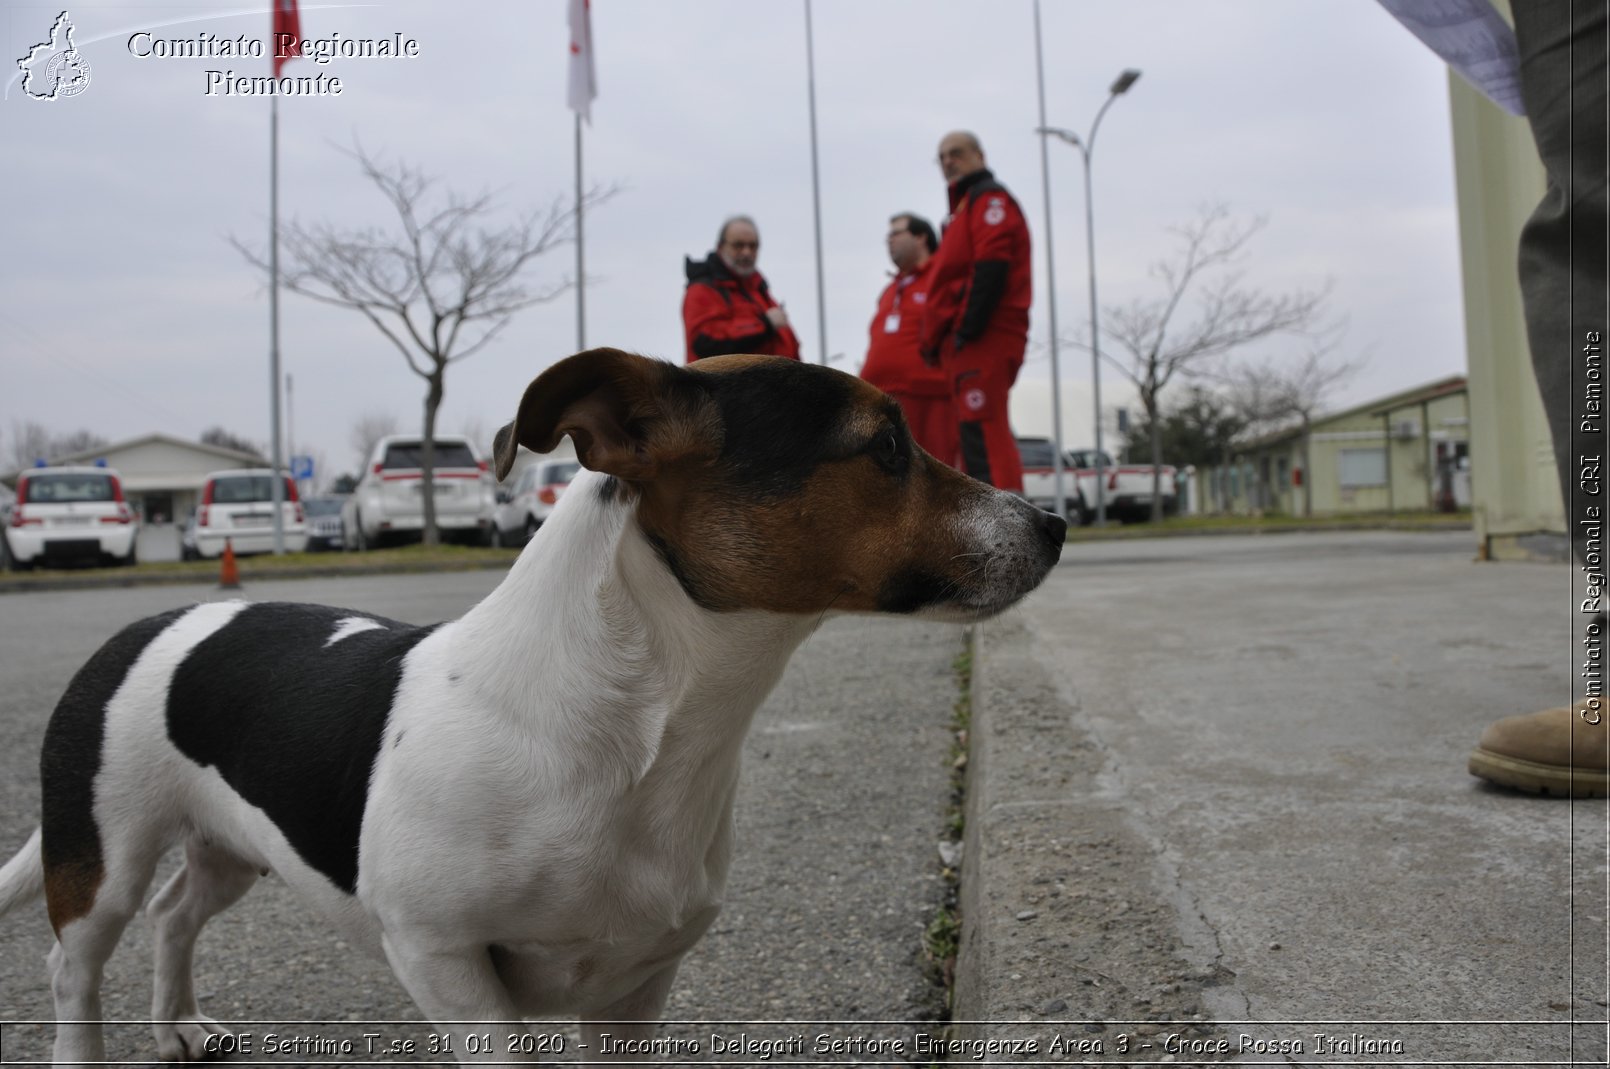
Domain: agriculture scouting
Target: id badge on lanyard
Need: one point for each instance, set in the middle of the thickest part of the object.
(891, 322)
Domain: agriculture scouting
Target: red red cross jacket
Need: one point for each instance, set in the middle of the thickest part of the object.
(723, 313)
(983, 281)
(893, 362)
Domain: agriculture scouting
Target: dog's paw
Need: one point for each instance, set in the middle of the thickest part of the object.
(193, 1038)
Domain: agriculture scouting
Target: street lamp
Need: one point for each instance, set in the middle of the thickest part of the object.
(1087, 146)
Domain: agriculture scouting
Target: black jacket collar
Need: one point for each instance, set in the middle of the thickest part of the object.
(963, 185)
(713, 271)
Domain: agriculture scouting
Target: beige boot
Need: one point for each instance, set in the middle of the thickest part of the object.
(1555, 752)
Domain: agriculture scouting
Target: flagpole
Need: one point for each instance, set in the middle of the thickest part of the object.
(581, 260)
(278, 487)
(816, 189)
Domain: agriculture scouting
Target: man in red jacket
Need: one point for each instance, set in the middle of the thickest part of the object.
(977, 320)
(728, 307)
(894, 362)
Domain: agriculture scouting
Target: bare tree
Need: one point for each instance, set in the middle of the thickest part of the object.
(32, 441)
(1203, 312)
(1201, 430)
(474, 428)
(370, 428)
(439, 286)
(1260, 409)
(229, 440)
(1285, 391)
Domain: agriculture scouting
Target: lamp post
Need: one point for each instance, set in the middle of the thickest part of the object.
(1059, 502)
(1086, 147)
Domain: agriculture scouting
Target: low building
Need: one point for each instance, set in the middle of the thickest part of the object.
(1406, 452)
(162, 475)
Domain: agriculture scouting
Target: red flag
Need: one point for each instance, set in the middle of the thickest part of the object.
(287, 39)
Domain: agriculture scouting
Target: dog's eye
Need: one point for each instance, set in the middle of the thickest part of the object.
(886, 450)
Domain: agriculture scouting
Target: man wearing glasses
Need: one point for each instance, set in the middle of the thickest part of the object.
(977, 320)
(894, 362)
(728, 308)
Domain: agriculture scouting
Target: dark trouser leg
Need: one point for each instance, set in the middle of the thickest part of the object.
(1562, 248)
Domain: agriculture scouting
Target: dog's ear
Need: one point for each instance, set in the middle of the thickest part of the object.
(627, 414)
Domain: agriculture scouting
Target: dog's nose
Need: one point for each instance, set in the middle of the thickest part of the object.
(1056, 529)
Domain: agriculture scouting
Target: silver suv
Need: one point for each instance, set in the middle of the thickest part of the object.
(388, 502)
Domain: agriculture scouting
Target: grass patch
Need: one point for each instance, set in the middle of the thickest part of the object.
(942, 938)
(416, 558)
(1275, 521)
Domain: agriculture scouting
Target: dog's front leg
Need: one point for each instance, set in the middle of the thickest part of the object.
(632, 1018)
(459, 990)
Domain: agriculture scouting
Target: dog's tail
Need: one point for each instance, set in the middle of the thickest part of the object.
(23, 878)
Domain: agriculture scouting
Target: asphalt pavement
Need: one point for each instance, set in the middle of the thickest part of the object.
(836, 876)
(1219, 810)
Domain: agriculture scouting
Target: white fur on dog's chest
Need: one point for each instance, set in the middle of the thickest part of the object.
(578, 891)
(568, 923)
(567, 975)
(581, 833)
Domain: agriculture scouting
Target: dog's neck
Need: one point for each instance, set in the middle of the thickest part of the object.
(592, 635)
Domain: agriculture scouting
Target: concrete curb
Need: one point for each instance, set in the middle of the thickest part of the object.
(1067, 939)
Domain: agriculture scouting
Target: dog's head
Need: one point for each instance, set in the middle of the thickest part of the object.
(770, 484)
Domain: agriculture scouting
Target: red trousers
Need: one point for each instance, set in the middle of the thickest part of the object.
(933, 424)
(981, 374)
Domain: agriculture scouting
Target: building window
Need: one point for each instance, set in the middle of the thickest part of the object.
(1362, 467)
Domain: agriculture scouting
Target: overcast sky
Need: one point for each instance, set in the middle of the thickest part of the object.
(124, 309)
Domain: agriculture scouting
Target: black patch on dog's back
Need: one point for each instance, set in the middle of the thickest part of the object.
(71, 757)
(294, 726)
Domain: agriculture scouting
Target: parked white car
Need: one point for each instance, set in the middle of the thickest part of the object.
(388, 502)
(70, 514)
(237, 507)
(526, 505)
(1126, 488)
(1127, 495)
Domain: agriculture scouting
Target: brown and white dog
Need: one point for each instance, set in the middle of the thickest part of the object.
(527, 811)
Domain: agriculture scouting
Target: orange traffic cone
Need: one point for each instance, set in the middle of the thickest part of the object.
(228, 573)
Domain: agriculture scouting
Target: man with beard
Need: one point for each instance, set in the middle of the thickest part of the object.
(728, 308)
